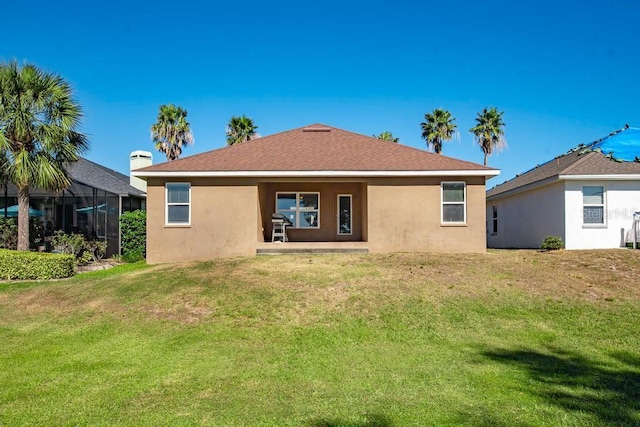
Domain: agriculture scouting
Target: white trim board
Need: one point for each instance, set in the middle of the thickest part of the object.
(314, 174)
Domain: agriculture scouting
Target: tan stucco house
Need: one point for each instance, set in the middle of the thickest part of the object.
(336, 187)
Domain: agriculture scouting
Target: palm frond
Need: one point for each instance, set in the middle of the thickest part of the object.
(437, 128)
(171, 132)
(489, 131)
(240, 129)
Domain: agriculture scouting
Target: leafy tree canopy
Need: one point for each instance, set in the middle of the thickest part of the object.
(241, 129)
(171, 132)
(39, 137)
(489, 131)
(387, 136)
(438, 127)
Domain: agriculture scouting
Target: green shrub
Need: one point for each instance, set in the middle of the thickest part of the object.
(133, 229)
(132, 257)
(36, 231)
(22, 265)
(84, 258)
(85, 251)
(96, 248)
(8, 233)
(70, 244)
(552, 243)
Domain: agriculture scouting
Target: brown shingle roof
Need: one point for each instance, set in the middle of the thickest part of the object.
(317, 148)
(574, 163)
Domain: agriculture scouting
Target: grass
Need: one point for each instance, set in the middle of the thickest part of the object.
(508, 338)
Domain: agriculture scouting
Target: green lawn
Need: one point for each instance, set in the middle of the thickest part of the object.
(508, 338)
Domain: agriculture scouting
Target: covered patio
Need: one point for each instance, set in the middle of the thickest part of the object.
(318, 210)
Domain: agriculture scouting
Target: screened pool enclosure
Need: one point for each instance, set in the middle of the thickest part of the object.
(92, 205)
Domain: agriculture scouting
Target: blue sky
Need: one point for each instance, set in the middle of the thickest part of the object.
(563, 72)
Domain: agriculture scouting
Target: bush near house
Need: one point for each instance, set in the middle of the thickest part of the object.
(552, 243)
(9, 232)
(22, 265)
(84, 251)
(133, 229)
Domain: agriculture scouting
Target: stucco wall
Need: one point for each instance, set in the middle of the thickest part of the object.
(230, 216)
(525, 219)
(224, 222)
(622, 199)
(404, 216)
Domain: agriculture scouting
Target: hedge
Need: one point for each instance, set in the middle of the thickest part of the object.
(133, 229)
(22, 265)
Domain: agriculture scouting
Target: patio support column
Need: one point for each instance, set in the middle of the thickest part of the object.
(6, 198)
(120, 231)
(64, 214)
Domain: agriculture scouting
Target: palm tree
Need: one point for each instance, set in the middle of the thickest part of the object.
(172, 131)
(439, 127)
(387, 136)
(38, 136)
(489, 132)
(241, 129)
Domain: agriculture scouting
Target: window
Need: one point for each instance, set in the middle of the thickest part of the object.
(494, 217)
(593, 205)
(178, 197)
(303, 209)
(454, 206)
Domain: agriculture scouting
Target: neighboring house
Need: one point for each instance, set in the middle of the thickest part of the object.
(91, 205)
(587, 197)
(335, 186)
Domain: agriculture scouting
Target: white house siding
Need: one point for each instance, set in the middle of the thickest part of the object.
(525, 219)
(622, 199)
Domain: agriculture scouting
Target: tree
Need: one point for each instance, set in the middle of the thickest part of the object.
(387, 136)
(489, 132)
(241, 129)
(438, 127)
(172, 131)
(38, 134)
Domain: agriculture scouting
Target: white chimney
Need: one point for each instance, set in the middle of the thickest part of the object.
(139, 159)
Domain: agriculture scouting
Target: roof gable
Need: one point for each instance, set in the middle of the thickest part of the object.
(581, 161)
(315, 147)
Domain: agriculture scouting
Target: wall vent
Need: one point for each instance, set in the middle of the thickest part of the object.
(316, 129)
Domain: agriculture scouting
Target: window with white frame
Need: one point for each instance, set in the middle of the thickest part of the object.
(593, 205)
(454, 203)
(178, 198)
(303, 209)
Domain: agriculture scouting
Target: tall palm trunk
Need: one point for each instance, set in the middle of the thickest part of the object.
(23, 218)
(485, 158)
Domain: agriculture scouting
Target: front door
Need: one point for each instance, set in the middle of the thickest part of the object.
(344, 215)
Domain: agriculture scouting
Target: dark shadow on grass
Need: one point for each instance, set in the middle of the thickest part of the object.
(371, 420)
(575, 383)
